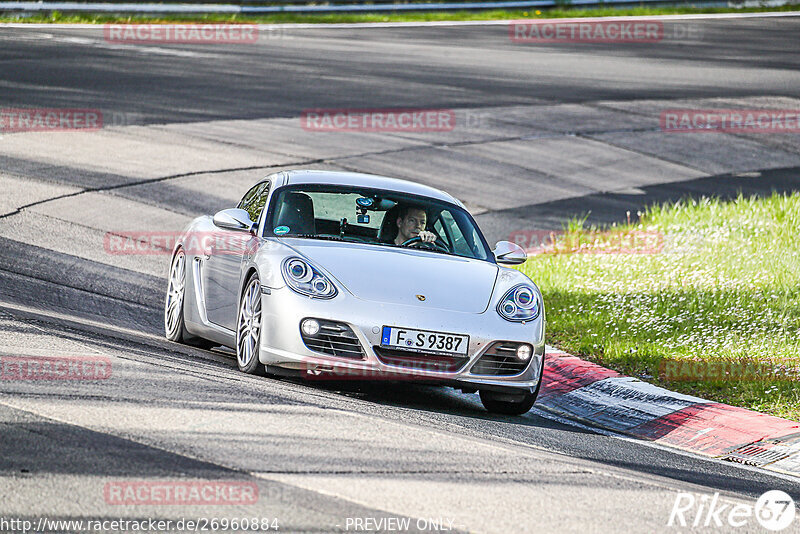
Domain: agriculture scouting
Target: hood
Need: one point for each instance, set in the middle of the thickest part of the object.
(397, 275)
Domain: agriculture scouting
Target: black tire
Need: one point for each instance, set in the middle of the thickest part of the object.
(247, 345)
(174, 325)
(511, 402)
(507, 403)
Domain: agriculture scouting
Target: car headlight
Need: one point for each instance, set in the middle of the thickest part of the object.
(303, 278)
(520, 303)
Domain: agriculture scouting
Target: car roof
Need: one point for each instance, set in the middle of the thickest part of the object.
(372, 181)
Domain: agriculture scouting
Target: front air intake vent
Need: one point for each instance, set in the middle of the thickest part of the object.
(500, 360)
(334, 339)
(420, 361)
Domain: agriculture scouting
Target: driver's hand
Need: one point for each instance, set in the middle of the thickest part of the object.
(427, 237)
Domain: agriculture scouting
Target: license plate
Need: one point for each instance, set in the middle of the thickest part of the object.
(424, 340)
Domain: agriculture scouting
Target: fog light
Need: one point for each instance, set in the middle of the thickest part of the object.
(524, 353)
(310, 327)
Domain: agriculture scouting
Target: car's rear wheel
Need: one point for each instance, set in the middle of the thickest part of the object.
(173, 307)
(174, 324)
(248, 328)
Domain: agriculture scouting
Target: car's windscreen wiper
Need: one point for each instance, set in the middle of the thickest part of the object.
(326, 237)
(437, 250)
(329, 237)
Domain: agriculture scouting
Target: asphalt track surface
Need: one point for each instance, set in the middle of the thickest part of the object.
(546, 132)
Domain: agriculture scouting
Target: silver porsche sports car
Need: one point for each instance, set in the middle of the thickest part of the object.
(354, 276)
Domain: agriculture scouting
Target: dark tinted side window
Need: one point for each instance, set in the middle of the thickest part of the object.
(254, 200)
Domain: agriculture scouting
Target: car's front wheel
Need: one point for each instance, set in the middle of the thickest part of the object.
(507, 403)
(248, 328)
(511, 402)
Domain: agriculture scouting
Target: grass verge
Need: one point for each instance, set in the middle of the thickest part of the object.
(724, 288)
(277, 18)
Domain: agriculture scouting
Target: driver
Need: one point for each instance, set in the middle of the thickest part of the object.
(411, 221)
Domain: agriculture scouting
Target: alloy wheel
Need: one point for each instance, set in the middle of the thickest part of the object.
(173, 308)
(248, 328)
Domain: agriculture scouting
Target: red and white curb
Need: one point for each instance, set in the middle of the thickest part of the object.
(587, 392)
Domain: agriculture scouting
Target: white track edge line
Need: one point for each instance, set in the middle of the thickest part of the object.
(445, 23)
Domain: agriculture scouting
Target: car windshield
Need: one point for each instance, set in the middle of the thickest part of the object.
(377, 217)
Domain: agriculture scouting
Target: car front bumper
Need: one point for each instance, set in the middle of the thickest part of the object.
(282, 344)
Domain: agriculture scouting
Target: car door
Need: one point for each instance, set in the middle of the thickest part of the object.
(222, 266)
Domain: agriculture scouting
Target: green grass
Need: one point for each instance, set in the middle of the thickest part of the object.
(725, 287)
(57, 17)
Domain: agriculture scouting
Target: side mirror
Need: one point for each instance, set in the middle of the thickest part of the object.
(234, 219)
(509, 253)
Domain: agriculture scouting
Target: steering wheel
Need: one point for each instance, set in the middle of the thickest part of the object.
(433, 245)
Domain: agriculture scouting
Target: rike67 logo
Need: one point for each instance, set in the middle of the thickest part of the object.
(774, 511)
